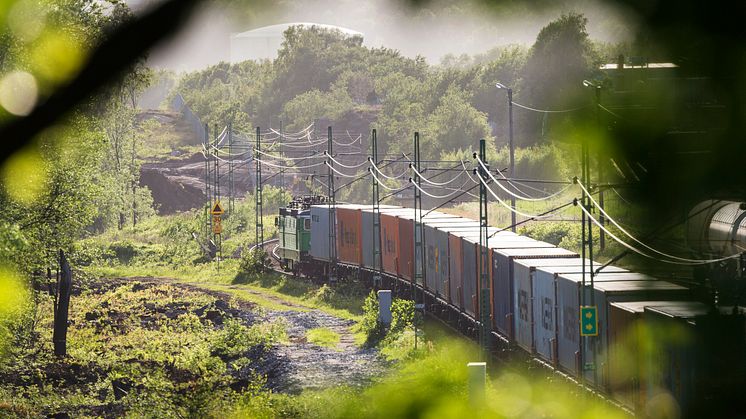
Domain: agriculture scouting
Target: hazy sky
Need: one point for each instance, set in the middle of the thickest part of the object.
(438, 29)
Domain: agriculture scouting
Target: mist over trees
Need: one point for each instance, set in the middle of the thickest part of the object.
(325, 74)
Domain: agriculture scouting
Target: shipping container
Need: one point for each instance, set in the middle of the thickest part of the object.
(320, 232)
(390, 243)
(621, 291)
(452, 287)
(607, 289)
(407, 254)
(627, 367)
(503, 292)
(470, 253)
(541, 273)
(349, 234)
(436, 250)
(671, 357)
(368, 244)
(436, 260)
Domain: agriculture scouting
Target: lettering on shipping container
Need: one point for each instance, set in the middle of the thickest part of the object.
(570, 322)
(388, 244)
(444, 262)
(523, 305)
(546, 318)
(430, 257)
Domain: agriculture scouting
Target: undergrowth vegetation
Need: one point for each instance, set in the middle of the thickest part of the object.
(149, 349)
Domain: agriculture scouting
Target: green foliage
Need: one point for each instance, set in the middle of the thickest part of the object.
(254, 263)
(393, 340)
(558, 62)
(454, 124)
(309, 106)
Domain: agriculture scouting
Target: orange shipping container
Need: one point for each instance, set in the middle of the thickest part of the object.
(406, 248)
(348, 235)
(390, 243)
(455, 280)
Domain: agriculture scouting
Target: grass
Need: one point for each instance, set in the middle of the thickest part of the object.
(153, 340)
(322, 336)
(434, 384)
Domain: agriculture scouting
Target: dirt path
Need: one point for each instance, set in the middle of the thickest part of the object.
(299, 364)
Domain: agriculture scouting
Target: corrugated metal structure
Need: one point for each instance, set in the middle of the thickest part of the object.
(320, 232)
(672, 365)
(607, 289)
(541, 274)
(627, 366)
(349, 234)
(503, 292)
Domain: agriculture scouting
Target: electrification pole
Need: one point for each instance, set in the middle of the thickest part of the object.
(418, 235)
(231, 186)
(332, 209)
(483, 266)
(208, 192)
(259, 220)
(377, 262)
(597, 90)
(217, 237)
(511, 148)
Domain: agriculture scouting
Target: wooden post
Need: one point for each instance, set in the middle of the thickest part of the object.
(63, 304)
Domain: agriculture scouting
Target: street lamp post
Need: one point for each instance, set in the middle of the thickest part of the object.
(511, 148)
(597, 89)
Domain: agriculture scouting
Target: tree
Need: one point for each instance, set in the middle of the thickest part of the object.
(453, 125)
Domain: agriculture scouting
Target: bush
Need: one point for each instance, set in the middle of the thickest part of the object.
(402, 319)
(255, 262)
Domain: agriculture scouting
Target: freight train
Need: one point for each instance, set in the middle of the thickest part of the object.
(645, 354)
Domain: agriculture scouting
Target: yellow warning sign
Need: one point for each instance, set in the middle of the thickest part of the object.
(217, 225)
(217, 209)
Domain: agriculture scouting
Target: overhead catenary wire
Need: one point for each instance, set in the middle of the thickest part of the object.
(555, 209)
(346, 166)
(454, 192)
(340, 173)
(370, 170)
(290, 167)
(399, 176)
(426, 180)
(521, 213)
(301, 144)
(484, 167)
(636, 240)
(642, 253)
(528, 108)
(274, 156)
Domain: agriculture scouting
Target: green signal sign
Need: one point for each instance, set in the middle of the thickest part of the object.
(588, 321)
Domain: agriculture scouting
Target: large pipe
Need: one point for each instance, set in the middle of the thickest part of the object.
(717, 227)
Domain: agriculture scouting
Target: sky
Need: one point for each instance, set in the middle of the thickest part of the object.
(439, 28)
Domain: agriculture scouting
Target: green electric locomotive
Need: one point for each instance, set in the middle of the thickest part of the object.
(294, 232)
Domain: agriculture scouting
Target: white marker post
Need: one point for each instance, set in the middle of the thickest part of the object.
(477, 382)
(384, 306)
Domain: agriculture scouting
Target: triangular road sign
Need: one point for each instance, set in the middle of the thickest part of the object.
(217, 209)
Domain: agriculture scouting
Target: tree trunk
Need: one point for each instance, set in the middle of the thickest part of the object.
(61, 310)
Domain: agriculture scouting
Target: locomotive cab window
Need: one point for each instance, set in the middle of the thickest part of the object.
(307, 224)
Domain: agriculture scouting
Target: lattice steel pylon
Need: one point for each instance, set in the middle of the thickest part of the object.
(332, 209)
(484, 260)
(377, 254)
(259, 213)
